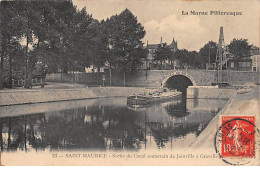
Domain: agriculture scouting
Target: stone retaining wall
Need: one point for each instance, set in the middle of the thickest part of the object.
(197, 92)
(155, 78)
(13, 97)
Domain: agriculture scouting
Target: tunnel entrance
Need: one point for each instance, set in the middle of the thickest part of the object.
(178, 82)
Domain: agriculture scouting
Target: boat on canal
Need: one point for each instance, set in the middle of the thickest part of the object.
(157, 96)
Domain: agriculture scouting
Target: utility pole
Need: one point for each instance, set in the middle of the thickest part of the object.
(146, 72)
(209, 53)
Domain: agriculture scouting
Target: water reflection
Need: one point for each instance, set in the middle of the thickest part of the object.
(178, 109)
(104, 124)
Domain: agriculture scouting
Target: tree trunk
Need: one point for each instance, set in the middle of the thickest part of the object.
(26, 66)
(124, 78)
(43, 78)
(43, 81)
(110, 76)
(30, 79)
(2, 68)
(1, 133)
(30, 73)
(10, 79)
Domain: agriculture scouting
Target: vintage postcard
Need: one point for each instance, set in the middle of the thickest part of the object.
(130, 82)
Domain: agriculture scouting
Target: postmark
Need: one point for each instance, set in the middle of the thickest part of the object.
(235, 140)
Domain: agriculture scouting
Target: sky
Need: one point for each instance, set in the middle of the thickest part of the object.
(164, 18)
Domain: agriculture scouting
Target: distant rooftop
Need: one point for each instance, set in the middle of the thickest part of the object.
(153, 46)
(256, 52)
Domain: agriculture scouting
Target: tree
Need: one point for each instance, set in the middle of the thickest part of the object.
(163, 53)
(208, 53)
(188, 59)
(122, 36)
(53, 33)
(45, 26)
(59, 49)
(1, 47)
(124, 39)
(87, 46)
(182, 56)
(239, 48)
(11, 33)
(193, 60)
(29, 18)
(58, 36)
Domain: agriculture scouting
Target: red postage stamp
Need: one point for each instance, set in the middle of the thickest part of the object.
(238, 136)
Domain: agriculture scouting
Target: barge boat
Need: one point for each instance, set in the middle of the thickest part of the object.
(153, 97)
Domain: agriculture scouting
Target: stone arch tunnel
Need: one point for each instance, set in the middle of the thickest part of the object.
(179, 82)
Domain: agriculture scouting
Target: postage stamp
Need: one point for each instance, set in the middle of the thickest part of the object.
(235, 139)
(238, 136)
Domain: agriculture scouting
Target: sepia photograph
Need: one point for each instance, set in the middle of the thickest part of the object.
(129, 83)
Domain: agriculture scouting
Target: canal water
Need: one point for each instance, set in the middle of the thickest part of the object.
(105, 124)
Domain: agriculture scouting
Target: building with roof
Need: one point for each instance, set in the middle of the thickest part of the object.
(244, 64)
(149, 63)
(250, 63)
(256, 60)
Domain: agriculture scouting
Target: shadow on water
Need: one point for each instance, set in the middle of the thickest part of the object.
(106, 125)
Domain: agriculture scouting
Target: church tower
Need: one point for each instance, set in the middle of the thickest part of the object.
(173, 46)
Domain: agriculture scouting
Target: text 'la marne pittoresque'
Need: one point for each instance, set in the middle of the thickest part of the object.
(216, 13)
